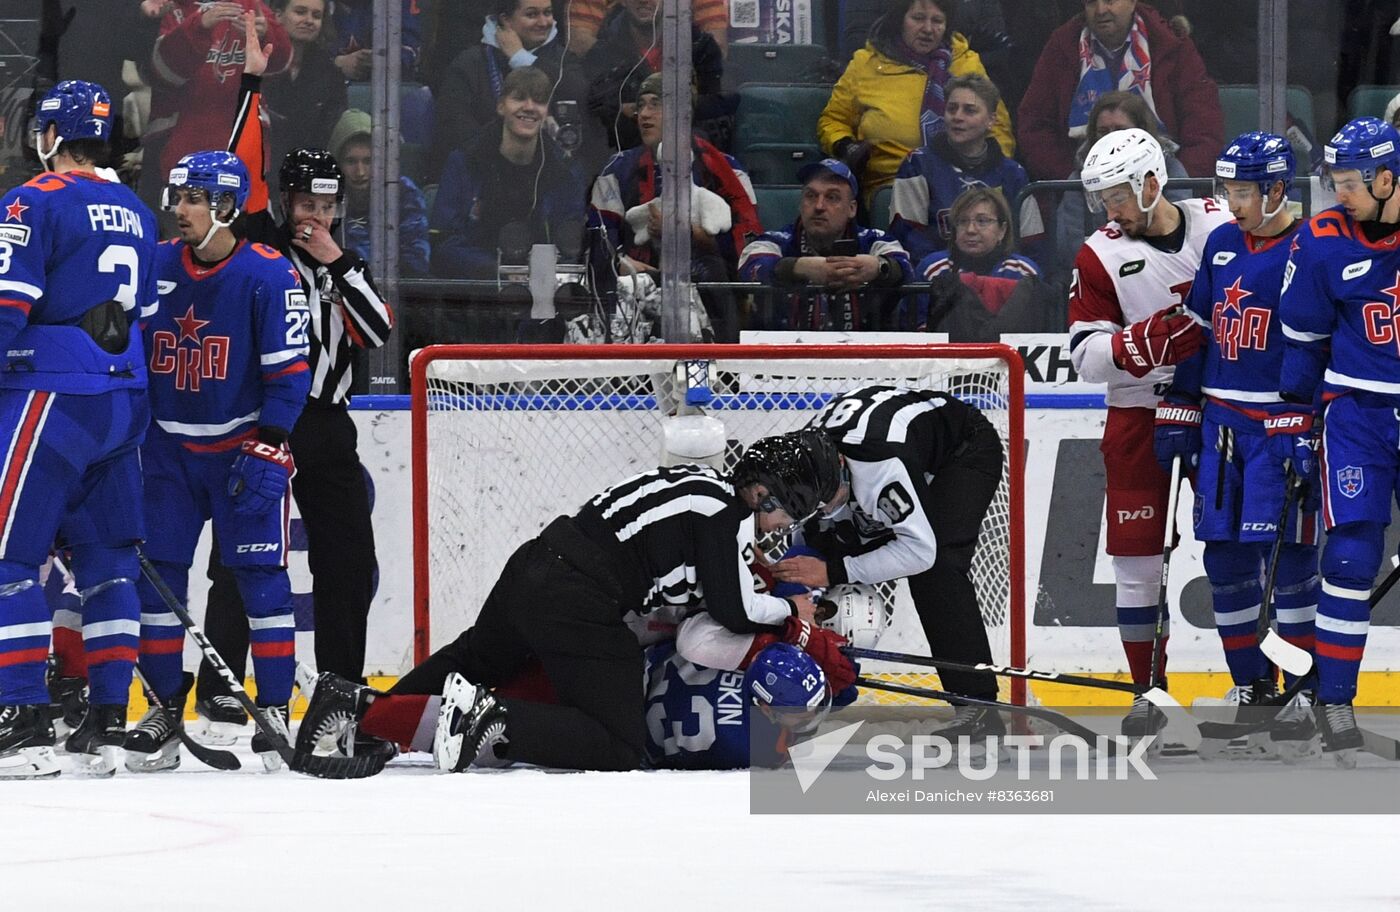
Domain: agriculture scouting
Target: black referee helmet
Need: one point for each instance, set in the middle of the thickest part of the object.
(801, 470)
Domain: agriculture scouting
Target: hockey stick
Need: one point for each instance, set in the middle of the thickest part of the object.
(1293, 659)
(209, 756)
(1062, 722)
(321, 767)
(1168, 545)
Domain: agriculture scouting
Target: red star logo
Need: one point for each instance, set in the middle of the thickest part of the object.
(1394, 293)
(190, 326)
(15, 211)
(1142, 77)
(1234, 295)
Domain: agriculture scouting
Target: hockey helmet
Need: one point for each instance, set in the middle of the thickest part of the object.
(801, 470)
(1365, 144)
(1123, 157)
(220, 175)
(79, 109)
(791, 685)
(858, 613)
(311, 171)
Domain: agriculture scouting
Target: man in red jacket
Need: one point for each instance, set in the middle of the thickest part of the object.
(1117, 45)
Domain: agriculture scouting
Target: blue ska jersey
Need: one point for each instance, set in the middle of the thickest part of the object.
(68, 243)
(1236, 294)
(1341, 291)
(698, 718)
(227, 346)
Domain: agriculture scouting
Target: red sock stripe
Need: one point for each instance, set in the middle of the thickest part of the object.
(394, 717)
(68, 650)
(112, 654)
(162, 647)
(1344, 653)
(1300, 640)
(1243, 641)
(276, 650)
(24, 656)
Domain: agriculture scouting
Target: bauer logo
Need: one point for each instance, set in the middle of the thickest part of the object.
(325, 185)
(1277, 164)
(1355, 270)
(1384, 148)
(229, 180)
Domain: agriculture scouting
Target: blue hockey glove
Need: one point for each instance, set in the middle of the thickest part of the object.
(258, 481)
(1177, 431)
(1294, 438)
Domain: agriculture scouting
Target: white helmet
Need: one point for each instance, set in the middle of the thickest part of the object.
(1123, 157)
(860, 615)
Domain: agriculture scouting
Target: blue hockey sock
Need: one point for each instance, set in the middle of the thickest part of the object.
(267, 597)
(162, 634)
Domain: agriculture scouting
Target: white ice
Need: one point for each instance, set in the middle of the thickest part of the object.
(411, 839)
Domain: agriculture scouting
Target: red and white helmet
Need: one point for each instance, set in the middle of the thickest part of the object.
(860, 615)
(1123, 157)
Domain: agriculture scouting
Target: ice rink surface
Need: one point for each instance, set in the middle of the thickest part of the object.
(196, 839)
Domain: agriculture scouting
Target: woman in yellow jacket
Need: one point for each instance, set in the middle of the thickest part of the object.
(886, 104)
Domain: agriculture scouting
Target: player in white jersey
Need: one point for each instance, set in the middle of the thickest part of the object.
(1128, 329)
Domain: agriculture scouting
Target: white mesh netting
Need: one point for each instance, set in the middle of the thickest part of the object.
(510, 444)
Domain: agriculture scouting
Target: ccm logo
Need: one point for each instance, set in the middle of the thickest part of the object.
(1259, 527)
(257, 548)
(1284, 421)
(1130, 515)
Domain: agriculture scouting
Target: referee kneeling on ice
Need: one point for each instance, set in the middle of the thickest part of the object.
(921, 468)
(666, 539)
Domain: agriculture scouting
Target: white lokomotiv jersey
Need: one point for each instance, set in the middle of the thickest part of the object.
(1120, 280)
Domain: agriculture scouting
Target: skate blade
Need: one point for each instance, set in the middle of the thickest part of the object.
(1296, 752)
(272, 761)
(167, 758)
(1343, 759)
(30, 763)
(218, 734)
(99, 765)
(1247, 748)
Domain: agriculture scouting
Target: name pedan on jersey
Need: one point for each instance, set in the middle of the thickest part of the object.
(1341, 292)
(68, 243)
(227, 346)
(1120, 280)
(1236, 295)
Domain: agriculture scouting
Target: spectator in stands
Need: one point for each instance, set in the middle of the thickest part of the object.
(628, 50)
(350, 143)
(831, 289)
(1114, 111)
(891, 98)
(1118, 45)
(518, 33)
(963, 155)
(981, 286)
(586, 19)
(511, 188)
(624, 213)
(303, 102)
(354, 28)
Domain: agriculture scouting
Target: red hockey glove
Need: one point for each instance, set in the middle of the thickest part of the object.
(825, 647)
(1169, 336)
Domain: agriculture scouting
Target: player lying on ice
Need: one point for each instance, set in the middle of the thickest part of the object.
(663, 541)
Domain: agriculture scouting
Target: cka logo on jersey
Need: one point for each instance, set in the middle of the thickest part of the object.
(1350, 481)
(187, 355)
(1238, 327)
(1382, 319)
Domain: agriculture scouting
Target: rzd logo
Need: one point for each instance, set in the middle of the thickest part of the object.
(1141, 513)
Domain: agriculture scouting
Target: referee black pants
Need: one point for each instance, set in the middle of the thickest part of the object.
(944, 595)
(330, 491)
(546, 605)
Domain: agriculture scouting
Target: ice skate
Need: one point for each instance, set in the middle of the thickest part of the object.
(263, 745)
(154, 744)
(67, 701)
(221, 719)
(95, 743)
(471, 725)
(1341, 739)
(26, 743)
(1144, 720)
(331, 723)
(976, 724)
(1236, 708)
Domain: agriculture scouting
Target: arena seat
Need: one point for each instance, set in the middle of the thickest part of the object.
(783, 113)
(777, 204)
(1240, 104)
(1370, 100)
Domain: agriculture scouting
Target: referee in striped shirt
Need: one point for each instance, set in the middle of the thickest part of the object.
(346, 314)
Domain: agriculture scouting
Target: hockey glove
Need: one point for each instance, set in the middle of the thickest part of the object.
(1294, 438)
(1177, 431)
(825, 647)
(258, 481)
(1167, 337)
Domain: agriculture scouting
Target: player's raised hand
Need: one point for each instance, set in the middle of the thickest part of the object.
(1169, 336)
(223, 11)
(258, 480)
(803, 570)
(312, 237)
(256, 53)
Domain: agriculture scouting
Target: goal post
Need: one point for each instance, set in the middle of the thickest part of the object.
(506, 437)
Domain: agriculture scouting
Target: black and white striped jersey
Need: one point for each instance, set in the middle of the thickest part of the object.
(894, 440)
(687, 537)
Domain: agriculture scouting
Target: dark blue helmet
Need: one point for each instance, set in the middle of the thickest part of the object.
(1365, 144)
(790, 682)
(219, 174)
(1259, 157)
(80, 110)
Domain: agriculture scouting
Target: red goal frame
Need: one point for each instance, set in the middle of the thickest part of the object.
(1015, 367)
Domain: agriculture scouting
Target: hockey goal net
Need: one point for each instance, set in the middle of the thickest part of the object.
(505, 438)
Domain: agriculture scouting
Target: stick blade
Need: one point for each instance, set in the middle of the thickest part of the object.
(1292, 659)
